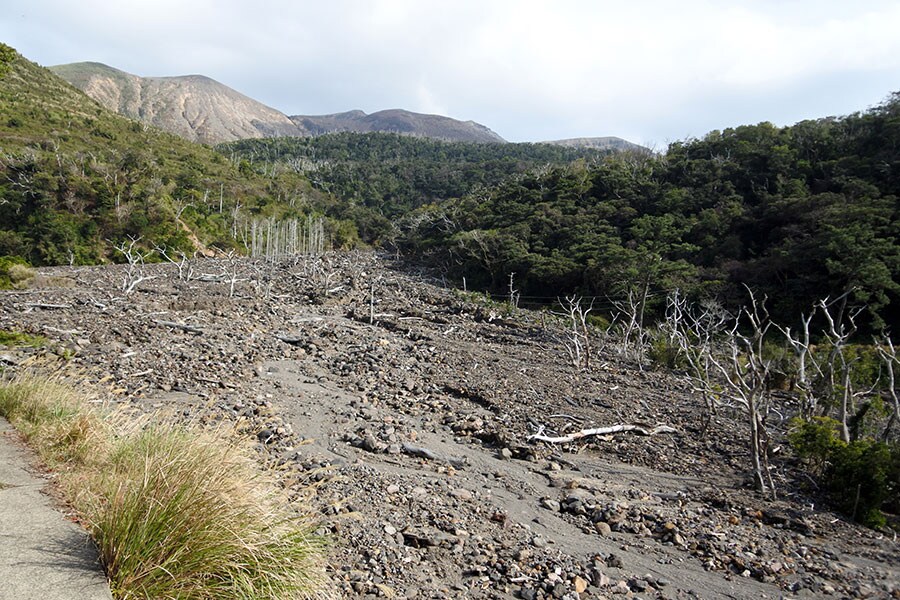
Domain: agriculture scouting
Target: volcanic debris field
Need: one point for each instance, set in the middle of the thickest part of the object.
(402, 410)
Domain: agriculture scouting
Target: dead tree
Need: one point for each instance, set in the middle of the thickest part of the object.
(577, 334)
(840, 365)
(745, 371)
(232, 277)
(692, 331)
(185, 271)
(630, 315)
(513, 292)
(888, 354)
(806, 358)
(135, 258)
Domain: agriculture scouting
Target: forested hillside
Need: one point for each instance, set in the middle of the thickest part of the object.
(798, 213)
(391, 174)
(77, 179)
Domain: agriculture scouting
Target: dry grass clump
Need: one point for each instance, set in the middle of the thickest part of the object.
(20, 275)
(54, 421)
(176, 512)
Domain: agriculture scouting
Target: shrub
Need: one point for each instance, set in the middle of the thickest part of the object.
(14, 272)
(861, 477)
(16, 338)
(176, 512)
(662, 353)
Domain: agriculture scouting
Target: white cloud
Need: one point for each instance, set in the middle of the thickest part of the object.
(530, 69)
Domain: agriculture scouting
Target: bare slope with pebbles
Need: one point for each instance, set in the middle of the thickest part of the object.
(409, 407)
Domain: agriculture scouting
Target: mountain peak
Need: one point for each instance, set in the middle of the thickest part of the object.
(201, 109)
(402, 121)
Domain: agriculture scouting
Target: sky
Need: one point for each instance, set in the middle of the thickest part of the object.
(649, 71)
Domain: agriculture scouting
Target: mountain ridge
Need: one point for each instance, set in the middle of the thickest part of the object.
(201, 109)
(195, 107)
(600, 143)
(398, 120)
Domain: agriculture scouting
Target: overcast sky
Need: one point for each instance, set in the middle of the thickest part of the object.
(648, 71)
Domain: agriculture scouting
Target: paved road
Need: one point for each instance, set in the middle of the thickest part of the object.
(43, 556)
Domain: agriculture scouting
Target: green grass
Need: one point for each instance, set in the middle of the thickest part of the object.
(19, 339)
(176, 512)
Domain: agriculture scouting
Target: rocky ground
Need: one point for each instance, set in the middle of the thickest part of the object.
(404, 410)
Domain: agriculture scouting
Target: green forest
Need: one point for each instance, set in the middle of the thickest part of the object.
(76, 180)
(798, 213)
(380, 177)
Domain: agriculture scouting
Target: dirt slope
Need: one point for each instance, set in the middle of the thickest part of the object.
(415, 405)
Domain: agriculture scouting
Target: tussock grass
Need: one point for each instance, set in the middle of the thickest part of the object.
(176, 512)
(20, 275)
(53, 419)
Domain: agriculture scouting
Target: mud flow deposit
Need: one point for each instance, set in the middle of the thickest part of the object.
(409, 408)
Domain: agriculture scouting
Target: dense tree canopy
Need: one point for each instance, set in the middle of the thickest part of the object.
(799, 213)
(391, 174)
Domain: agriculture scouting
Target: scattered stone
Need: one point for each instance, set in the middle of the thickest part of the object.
(614, 561)
(550, 504)
(461, 494)
(332, 409)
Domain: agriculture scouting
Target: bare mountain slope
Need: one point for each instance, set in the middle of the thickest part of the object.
(399, 121)
(201, 109)
(193, 106)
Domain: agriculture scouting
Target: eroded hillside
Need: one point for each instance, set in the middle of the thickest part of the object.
(413, 404)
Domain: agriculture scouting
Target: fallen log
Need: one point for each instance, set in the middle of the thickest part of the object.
(563, 439)
(44, 305)
(181, 326)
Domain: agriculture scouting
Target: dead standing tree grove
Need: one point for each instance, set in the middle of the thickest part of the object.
(692, 333)
(727, 363)
(745, 370)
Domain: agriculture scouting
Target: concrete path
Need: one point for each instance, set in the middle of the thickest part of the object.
(43, 556)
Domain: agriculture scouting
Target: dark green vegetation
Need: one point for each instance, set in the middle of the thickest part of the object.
(18, 338)
(861, 476)
(797, 213)
(75, 177)
(383, 176)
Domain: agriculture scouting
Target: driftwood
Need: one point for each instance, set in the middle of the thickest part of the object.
(563, 439)
(181, 326)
